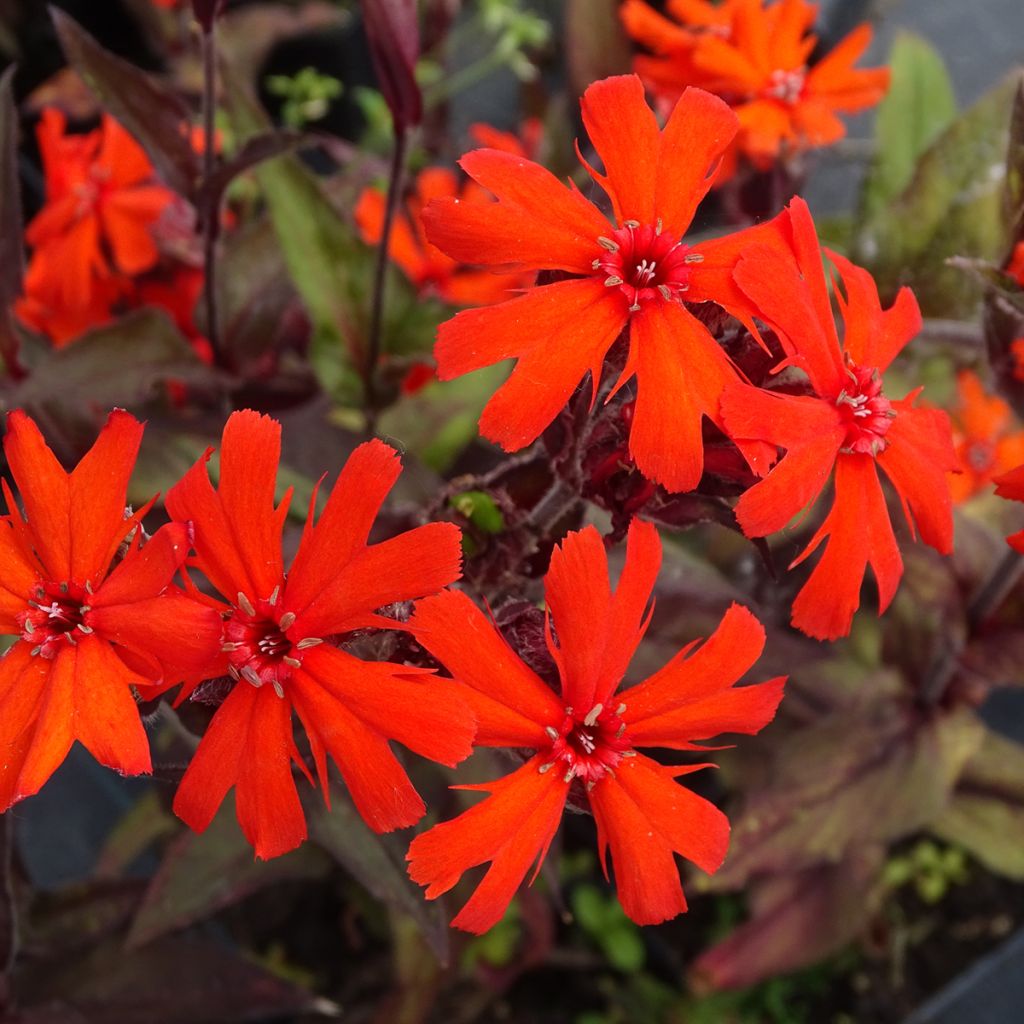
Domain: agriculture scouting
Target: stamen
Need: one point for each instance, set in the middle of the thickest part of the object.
(272, 600)
(246, 605)
(631, 224)
(309, 641)
(607, 243)
(278, 689)
(595, 713)
(612, 282)
(294, 662)
(551, 731)
(287, 621)
(621, 709)
(542, 769)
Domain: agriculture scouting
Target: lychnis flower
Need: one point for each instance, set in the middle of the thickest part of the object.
(585, 738)
(92, 608)
(278, 642)
(850, 426)
(636, 273)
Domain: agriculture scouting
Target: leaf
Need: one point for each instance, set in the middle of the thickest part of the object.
(155, 115)
(844, 782)
(12, 228)
(201, 874)
(797, 920)
(1014, 196)
(377, 863)
(919, 105)
(952, 205)
(393, 32)
(595, 45)
(986, 814)
(175, 980)
(69, 387)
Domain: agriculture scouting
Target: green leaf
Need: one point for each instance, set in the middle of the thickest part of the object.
(480, 509)
(953, 205)
(624, 948)
(986, 814)
(919, 105)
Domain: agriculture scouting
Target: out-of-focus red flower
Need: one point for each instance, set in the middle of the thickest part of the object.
(430, 271)
(1015, 268)
(95, 230)
(1017, 353)
(988, 442)
(178, 292)
(636, 273)
(586, 737)
(755, 55)
(848, 430)
(1011, 485)
(274, 642)
(90, 627)
(526, 143)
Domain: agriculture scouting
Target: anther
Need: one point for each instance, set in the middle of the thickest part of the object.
(278, 689)
(542, 769)
(70, 639)
(272, 600)
(569, 775)
(620, 709)
(612, 282)
(88, 587)
(233, 672)
(35, 651)
(84, 628)
(629, 753)
(287, 621)
(665, 293)
(229, 647)
(596, 264)
(608, 243)
(250, 676)
(29, 628)
(246, 605)
(631, 223)
(309, 641)
(592, 717)
(622, 729)
(693, 257)
(551, 731)
(294, 662)
(635, 308)
(657, 227)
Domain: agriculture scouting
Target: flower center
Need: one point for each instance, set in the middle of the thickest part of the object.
(54, 618)
(645, 263)
(866, 412)
(785, 86)
(257, 645)
(589, 746)
(979, 455)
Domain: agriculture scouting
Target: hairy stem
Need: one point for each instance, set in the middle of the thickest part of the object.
(380, 280)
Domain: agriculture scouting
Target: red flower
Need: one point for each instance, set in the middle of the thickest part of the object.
(526, 144)
(756, 56)
(1011, 485)
(89, 627)
(637, 273)
(430, 271)
(850, 426)
(585, 739)
(274, 642)
(94, 230)
(1015, 268)
(986, 442)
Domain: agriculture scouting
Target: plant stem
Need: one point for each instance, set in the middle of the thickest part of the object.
(987, 598)
(380, 279)
(8, 910)
(211, 211)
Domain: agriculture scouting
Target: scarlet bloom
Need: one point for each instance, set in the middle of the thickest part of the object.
(95, 229)
(1011, 485)
(849, 426)
(636, 273)
(756, 57)
(1015, 268)
(527, 143)
(277, 642)
(585, 739)
(90, 624)
(429, 270)
(985, 437)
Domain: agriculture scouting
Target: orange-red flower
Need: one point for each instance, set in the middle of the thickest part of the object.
(430, 271)
(94, 231)
(756, 56)
(277, 642)
(1015, 268)
(585, 739)
(635, 272)
(90, 626)
(849, 426)
(986, 440)
(526, 143)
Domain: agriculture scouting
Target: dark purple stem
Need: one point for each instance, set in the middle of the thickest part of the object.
(380, 280)
(8, 909)
(211, 208)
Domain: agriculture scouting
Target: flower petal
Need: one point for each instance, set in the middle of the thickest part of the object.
(457, 633)
(23, 687)
(511, 828)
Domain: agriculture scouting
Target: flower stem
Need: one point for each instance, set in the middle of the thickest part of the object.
(380, 279)
(211, 215)
(8, 909)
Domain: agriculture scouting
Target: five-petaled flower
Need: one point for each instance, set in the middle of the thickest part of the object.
(92, 607)
(277, 642)
(95, 230)
(637, 272)
(849, 425)
(756, 55)
(987, 439)
(586, 736)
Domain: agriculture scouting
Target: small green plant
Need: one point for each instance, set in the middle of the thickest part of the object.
(931, 869)
(602, 918)
(307, 95)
